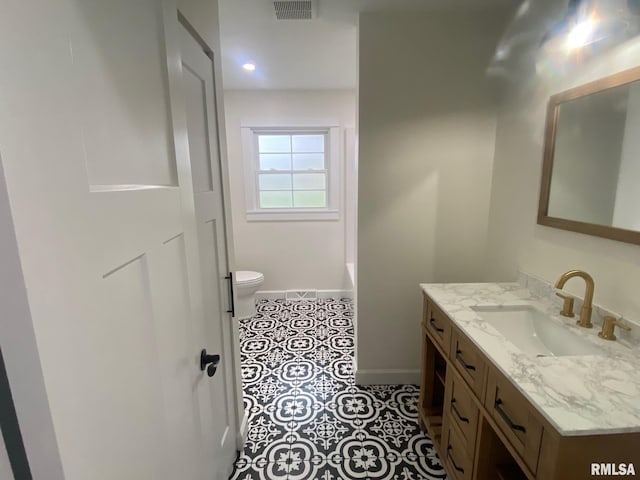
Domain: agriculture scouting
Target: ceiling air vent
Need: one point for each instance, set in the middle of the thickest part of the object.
(294, 9)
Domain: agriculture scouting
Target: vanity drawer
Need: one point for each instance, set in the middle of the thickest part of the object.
(438, 325)
(457, 460)
(515, 417)
(461, 410)
(469, 362)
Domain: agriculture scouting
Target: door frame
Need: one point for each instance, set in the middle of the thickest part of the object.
(20, 353)
(173, 20)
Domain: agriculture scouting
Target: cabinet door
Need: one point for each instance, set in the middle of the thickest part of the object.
(460, 409)
(438, 325)
(469, 362)
(457, 460)
(431, 389)
(515, 417)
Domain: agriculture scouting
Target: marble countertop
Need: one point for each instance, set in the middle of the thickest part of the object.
(579, 395)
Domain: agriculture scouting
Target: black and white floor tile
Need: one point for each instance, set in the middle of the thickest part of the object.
(308, 420)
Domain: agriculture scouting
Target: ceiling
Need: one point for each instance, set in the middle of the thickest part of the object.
(304, 54)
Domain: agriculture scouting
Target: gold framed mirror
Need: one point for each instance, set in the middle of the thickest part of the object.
(591, 167)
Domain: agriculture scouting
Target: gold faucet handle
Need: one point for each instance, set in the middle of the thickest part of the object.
(567, 307)
(610, 323)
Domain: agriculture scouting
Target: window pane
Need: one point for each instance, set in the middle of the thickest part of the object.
(310, 199)
(274, 143)
(308, 143)
(274, 182)
(275, 200)
(306, 161)
(275, 161)
(309, 181)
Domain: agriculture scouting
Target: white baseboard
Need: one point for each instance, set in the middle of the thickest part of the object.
(270, 295)
(337, 294)
(350, 275)
(244, 430)
(387, 377)
(280, 294)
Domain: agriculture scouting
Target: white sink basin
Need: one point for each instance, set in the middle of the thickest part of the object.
(534, 332)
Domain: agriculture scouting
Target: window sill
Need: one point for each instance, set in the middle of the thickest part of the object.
(292, 215)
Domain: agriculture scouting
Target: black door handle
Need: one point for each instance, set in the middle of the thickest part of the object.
(233, 308)
(211, 360)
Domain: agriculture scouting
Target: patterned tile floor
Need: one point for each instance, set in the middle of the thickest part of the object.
(307, 417)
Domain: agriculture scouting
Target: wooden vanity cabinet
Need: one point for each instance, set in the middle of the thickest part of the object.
(485, 429)
(460, 427)
(430, 404)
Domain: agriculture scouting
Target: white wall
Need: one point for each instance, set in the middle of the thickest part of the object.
(516, 240)
(291, 255)
(427, 118)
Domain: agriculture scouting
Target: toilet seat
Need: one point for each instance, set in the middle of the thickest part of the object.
(247, 278)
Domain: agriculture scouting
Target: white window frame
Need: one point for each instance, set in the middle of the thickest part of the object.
(333, 162)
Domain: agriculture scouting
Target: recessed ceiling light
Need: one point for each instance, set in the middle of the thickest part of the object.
(249, 67)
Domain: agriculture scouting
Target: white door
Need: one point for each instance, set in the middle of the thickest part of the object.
(215, 395)
(115, 260)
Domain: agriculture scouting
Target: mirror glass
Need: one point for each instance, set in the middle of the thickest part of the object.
(592, 159)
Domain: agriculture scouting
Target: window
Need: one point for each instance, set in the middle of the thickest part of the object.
(291, 173)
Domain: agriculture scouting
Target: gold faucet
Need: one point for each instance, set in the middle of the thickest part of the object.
(585, 314)
(607, 328)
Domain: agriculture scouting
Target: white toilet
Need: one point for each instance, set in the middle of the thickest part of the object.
(247, 284)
